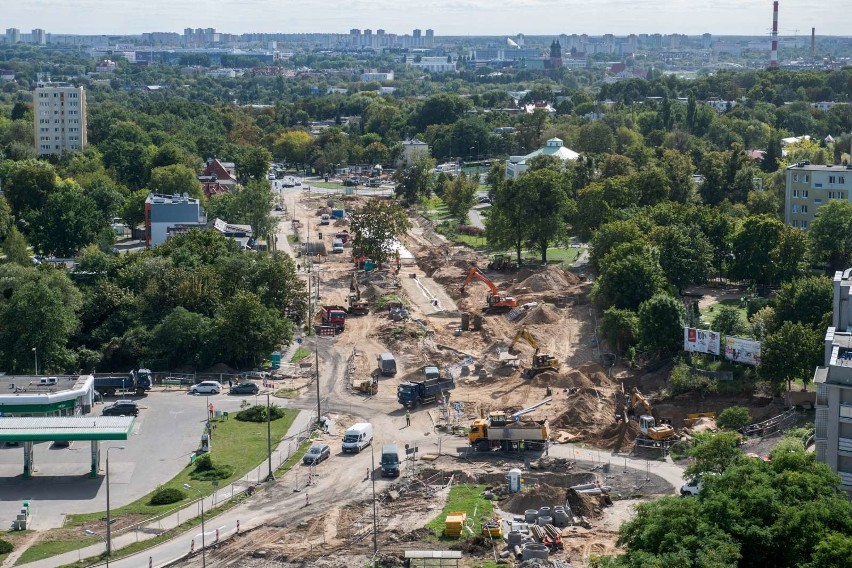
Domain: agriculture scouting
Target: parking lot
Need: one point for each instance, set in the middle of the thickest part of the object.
(167, 430)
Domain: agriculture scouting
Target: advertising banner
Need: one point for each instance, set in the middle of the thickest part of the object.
(742, 350)
(700, 340)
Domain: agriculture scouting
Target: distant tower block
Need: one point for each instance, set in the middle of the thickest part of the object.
(773, 57)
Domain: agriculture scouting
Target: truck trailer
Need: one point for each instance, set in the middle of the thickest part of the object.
(412, 393)
(501, 432)
(139, 381)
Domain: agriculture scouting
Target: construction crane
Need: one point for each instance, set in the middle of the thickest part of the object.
(541, 361)
(647, 423)
(496, 301)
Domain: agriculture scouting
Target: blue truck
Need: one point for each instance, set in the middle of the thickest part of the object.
(412, 393)
(139, 381)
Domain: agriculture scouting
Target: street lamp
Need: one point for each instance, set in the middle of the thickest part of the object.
(35, 352)
(87, 532)
(108, 520)
(203, 554)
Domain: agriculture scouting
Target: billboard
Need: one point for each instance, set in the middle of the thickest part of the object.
(742, 350)
(700, 340)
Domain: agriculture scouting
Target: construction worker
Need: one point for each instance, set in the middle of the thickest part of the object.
(408, 418)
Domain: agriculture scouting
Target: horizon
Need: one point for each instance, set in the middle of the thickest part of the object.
(471, 18)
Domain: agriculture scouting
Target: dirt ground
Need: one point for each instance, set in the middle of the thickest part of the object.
(584, 398)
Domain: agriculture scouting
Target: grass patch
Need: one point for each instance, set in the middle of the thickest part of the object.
(293, 239)
(707, 314)
(295, 458)
(300, 354)
(465, 498)
(47, 548)
(286, 393)
(437, 211)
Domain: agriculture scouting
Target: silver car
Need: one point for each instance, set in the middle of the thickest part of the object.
(206, 387)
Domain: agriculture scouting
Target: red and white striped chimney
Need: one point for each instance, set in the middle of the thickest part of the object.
(773, 58)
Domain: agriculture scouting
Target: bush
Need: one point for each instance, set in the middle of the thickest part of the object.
(166, 496)
(257, 413)
(733, 418)
(206, 469)
(683, 380)
(470, 230)
(5, 547)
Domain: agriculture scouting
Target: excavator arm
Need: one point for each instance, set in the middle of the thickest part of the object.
(476, 273)
(524, 334)
(637, 398)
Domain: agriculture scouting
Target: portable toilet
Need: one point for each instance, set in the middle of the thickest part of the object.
(276, 359)
(369, 265)
(515, 480)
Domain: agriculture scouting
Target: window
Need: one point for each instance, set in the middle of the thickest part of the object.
(804, 193)
(817, 201)
(795, 223)
(832, 179)
(804, 224)
(806, 179)
(841, 179)
(795, 208)
(804, 208)
(795, 177)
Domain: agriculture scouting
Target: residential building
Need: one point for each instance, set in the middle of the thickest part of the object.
(809, 186)
(13, 35)
(242, 234)
(833, 434)
(410, 150)
(39, 37)
(60, 118)
(167, 211)
(516, 165)
(374, 75)
(432, 64)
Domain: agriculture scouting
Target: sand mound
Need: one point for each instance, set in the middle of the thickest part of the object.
(549, 496)
(549, 280)
(618, 437)
(543, 314)
(573, 379)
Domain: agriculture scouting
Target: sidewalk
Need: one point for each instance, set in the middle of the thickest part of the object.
(169, 551)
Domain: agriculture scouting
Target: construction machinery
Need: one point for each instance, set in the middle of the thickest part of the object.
(357, 306)
(647, 423)
(411, 393)
(541, 361)
(334, 317)
(500, 431)
(694, 417)
(368, 386)
(496, 302)
(501, 262)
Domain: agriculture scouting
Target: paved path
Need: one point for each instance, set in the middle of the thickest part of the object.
(179, 546)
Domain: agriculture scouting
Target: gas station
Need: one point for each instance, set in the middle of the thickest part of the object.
(30, 429)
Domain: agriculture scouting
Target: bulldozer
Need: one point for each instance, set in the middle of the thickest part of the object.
(369, 386)
(356, 306)
(647, 423)
(497, 303)
(501, 262)
(541, 361)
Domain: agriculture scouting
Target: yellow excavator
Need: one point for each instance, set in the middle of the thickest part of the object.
(647, 423)
(541, 361)
(357, 306)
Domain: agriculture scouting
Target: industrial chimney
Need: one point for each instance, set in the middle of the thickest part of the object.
(813, 44)
(773, 57)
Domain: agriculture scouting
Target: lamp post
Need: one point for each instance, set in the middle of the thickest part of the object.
(87, 532)
(375, 519)
(203, 553)
(35, 353)
(108, 519)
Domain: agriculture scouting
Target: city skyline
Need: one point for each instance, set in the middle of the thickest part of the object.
(446, 17)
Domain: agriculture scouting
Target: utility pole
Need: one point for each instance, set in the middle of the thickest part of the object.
(269, 477)
(375, 520)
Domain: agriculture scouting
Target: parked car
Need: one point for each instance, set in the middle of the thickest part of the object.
(244, 388)
(350, 182)
(693, 486)
(317, 454)
(484, 199)
(254, 375)
(376, 182)
(121, 408)
(206, 387)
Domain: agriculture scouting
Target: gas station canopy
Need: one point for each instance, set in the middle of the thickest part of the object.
(64, 428)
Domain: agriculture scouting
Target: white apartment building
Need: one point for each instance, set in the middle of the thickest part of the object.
(60, 118)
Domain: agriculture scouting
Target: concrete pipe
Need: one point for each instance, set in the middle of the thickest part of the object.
(535, 551)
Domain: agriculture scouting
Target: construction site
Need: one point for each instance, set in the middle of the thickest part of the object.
(500, 381)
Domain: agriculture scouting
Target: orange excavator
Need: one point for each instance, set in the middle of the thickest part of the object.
(496, 301)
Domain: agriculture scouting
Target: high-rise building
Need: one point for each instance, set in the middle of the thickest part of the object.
(367, 38)
(430, 38)
(60, 118)
(808, 186)
(39, 37)
(355, 36)
(416, 39)
(13, 35)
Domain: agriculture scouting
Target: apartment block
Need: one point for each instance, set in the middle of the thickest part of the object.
(60, 118)
(809, 186)
(833, 436)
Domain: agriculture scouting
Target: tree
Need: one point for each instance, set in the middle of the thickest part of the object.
(376, 225)
(133, 210)
(620, 328)
(182, 337)
(444, 108)
(714, 455)
(175, 179)
(830, 235)
(806, 300)
(247, 331)
(753, 248)
(26, 185)
(627, 280)
(678, 169)
(416, 180)
(833, 551)
(252, 162)
(685, 255)
(507, 225)
(256, 201)
(68, 221)
(595, 138)
(616, 165)
(772, 155)
(15, 248)
(547, 209)
(293, 146)
(733, 418)
(610, 236)
(791, 353)
(661, 320)
(460, 195)
(728, 321)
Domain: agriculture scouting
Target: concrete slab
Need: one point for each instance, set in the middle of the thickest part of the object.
(422, 291)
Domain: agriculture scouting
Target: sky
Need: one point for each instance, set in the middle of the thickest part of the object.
(446, 17)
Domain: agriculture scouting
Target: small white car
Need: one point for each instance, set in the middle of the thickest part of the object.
(692, 487)
(206, 387)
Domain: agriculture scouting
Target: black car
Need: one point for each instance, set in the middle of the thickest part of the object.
(317, 454)
(121, 408)
(244, 388)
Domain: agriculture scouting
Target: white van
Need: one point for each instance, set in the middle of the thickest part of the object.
(358, 437)
(337, 245)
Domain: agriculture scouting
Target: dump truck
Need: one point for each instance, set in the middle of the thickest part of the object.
(333, 316)
(502, 432)
(410, 394)
(139, 381)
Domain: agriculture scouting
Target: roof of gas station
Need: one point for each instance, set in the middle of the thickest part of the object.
(64, 428)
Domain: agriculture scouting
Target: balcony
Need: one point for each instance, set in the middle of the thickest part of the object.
(846, 411)
(844, 445)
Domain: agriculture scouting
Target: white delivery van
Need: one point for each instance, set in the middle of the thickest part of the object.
(337, 245)
(357, 437)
